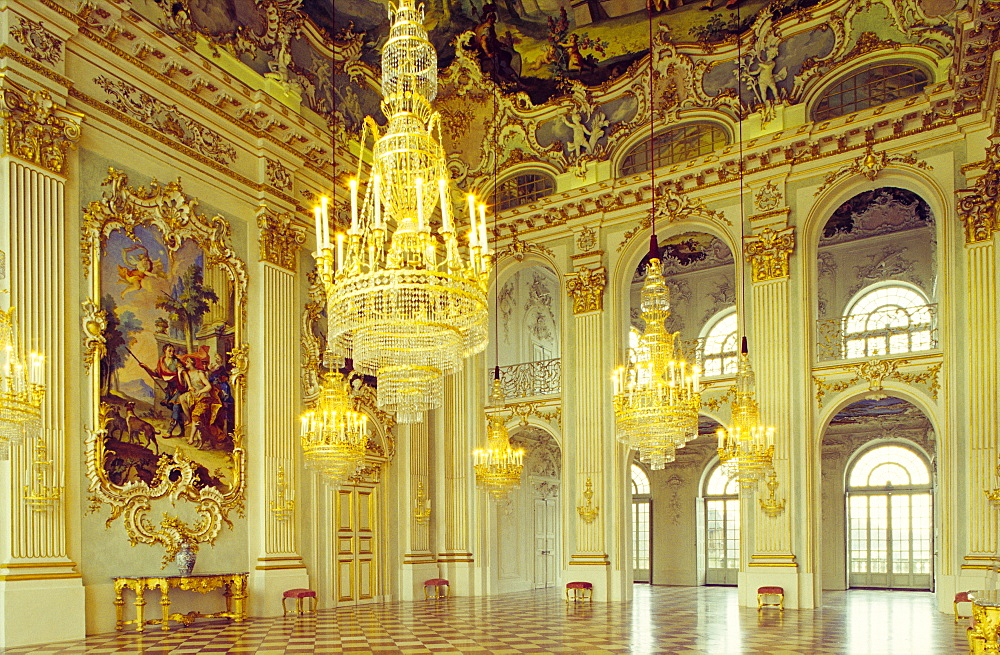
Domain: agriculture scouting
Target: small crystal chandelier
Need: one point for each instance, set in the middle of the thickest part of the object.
(746, 448)
(498, 466)
(402, 302)
(334, 436)
(22, 388)
(658, 395)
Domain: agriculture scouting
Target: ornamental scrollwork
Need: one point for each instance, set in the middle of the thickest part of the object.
(277, 175)
(518, 249)
(672, 206)
(163, 330)
(586, 287)
(38, 43)
(38, 130)
(280, 239)
(979, 207)
(768, 253)
(870, 164)
(875, 372)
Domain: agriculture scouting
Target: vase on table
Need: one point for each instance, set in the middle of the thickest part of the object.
(185, 558)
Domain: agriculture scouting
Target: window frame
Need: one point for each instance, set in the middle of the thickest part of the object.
(501, 202)
(819, 113)
(662, 142)
(887, 336)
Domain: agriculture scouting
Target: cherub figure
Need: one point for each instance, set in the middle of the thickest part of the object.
(138, 266)
(581, 135)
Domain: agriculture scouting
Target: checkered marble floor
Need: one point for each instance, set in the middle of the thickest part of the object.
(659, 620)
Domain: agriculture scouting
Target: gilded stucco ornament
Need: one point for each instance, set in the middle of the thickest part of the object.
(280, 239)
(38, 130)
(870, 164)
(518, 249)
(767, 197)
(768, 253)
(127, 214)
(979, 207)
(875, 372)
(38, 43)
(673, 206)
(277, 175)
(586, 287)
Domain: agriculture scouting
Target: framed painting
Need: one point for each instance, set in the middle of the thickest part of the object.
(164, 349)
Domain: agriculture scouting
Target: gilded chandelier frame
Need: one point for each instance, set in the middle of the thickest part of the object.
(168, 208)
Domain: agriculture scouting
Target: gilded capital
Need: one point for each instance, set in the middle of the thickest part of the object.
(38, 130)
(280, 239)
(768, 253)
(979, 208)
(586, 287)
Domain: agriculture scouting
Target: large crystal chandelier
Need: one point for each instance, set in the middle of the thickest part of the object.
(334, 436)
(22, 388)
(658, 394)
(498, 466)
(746, 448)
(402, 302)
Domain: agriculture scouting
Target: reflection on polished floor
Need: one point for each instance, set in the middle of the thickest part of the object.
(659, 620)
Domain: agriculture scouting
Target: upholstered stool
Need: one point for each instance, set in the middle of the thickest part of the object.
(771, 591)
(436, 588)
(581, 591)
(298, 595)
(961, 597)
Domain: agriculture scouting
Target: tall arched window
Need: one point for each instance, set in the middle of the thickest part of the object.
(867, 88)
(675, 145)
(888, 319)
(522, 189)
(889, 514)
(722, 528)
(641, 525)
(720, 349)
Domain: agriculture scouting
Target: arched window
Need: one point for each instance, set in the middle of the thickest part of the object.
(869, 88)
(890, 519)
(719, 349)
(522, 189)
(888, 319)
(641, 525)
(722, 528)
(675, 145)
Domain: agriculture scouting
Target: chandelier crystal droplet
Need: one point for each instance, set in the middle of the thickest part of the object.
(402, 301)
(746, 448)
(22, 387)
(334, 436)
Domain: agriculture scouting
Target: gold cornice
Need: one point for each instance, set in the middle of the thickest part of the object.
(180, 147)
(779, 564)
(39, 576)
(7, 51)
(279, 559)
(37, 565)
(279, 567)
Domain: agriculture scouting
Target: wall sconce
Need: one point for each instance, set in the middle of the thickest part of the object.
(422, 510)
(771, 505)
(588, 512)
(284, 507)
(39, 494)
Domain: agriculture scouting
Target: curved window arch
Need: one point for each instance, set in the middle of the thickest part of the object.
(722, 528)
(719, 349)
(868, 88)
(640, 481)
(675, 145)
(888, 319)
(890, 519)
(522, 189)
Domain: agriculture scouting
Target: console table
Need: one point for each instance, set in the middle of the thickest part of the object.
(234, 587)
(986, 612)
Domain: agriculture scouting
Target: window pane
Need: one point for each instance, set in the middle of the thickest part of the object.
(895, 464)
(521, 190)
(675, 145)
(640, 482)
(869, 88)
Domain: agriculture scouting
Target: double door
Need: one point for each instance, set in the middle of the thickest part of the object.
(546, 517)
(356, 570)
(889, 540)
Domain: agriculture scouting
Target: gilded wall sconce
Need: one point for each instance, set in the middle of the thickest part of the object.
(284, 507)
(588, 511)
(771, 505)
(42, 493)
(422, 509)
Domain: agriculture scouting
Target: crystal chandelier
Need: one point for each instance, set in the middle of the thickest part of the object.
(658, 395)
(746, 448)
(498, 466)
(22, 388)
(402, 302)
(334, 436)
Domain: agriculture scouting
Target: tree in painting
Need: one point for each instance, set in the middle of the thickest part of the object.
(188, 301)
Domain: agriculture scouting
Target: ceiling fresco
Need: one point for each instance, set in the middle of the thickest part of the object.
(869, 409)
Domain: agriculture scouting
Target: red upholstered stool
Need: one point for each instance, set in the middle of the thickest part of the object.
(771, 591)
(436, 588)
(581, 591)
(298, 595)
(961, 597)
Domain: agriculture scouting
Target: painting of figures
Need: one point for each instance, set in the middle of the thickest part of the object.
(165, 372)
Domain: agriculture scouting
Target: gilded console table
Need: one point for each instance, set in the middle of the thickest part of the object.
(234, 586)
(986, 614)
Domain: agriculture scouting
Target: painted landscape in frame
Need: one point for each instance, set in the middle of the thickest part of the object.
(166, 372)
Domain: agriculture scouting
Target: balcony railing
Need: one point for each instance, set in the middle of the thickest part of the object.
(882, 332)
(529, 379)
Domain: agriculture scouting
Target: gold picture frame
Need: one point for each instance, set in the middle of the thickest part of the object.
(163, 346)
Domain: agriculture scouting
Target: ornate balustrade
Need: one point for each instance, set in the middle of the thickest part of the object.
(878, 333)
(529, 379)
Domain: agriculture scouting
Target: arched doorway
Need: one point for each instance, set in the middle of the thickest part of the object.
(642, 525)
(890, 519)
(877, 496)
(721, 499)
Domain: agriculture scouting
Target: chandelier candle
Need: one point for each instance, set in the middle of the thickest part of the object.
(746, 448)
(402, 302)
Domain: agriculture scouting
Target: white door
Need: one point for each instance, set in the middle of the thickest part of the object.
(545, 518)
(355, 552)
